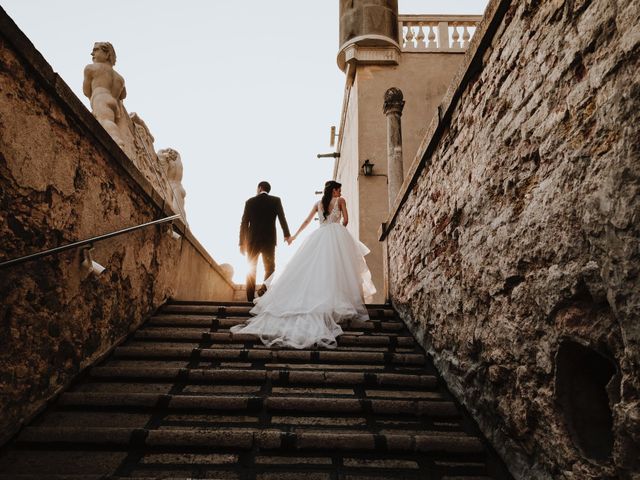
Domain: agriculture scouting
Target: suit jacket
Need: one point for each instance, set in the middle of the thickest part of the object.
(258, 226)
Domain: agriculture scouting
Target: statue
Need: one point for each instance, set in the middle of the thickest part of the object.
(105, 89)
(171, 163)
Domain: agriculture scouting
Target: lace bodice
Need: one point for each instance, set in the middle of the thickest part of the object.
(335, 215)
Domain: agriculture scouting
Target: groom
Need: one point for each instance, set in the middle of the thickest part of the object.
(258, 234)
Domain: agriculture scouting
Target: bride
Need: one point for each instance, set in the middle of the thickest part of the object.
(323, 284)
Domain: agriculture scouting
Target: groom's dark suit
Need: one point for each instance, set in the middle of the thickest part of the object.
(258, 235)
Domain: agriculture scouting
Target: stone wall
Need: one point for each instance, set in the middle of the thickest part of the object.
(514, 250)
(63, 179)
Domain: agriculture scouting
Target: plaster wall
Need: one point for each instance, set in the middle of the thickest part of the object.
(347, 171)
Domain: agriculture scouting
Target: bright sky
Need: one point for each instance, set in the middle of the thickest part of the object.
(244, 90)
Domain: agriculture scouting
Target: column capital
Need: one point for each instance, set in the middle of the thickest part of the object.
(393, 101)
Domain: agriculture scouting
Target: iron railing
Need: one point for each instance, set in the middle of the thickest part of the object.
(89, 241)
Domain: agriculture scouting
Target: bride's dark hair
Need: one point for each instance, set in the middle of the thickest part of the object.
(327, 195)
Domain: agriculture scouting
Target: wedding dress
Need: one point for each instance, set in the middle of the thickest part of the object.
(323, 285)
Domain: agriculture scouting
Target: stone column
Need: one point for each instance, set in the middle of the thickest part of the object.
(393, 105)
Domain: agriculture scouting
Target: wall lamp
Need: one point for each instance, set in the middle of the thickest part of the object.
(329, 155)
(90, 264)
(367, 168)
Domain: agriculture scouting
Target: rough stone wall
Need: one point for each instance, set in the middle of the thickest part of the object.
(518, 241)
(63, 179)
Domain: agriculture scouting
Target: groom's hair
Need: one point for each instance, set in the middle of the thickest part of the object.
(265, 186)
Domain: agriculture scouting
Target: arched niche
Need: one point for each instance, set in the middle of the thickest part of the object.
(581, 385)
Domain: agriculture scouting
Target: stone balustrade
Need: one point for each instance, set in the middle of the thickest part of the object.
(436, 33)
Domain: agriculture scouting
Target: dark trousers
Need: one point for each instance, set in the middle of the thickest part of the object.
(268, 260)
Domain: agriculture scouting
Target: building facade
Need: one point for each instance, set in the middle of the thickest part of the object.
(379, 50)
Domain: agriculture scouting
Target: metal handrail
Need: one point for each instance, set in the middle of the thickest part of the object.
(88, 241)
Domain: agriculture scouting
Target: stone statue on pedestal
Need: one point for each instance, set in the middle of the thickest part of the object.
(105, 89)
(171, 163)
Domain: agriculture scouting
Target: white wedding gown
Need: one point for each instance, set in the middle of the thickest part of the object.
(323, 284)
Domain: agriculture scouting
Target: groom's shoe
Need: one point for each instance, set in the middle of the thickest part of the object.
(261, 291)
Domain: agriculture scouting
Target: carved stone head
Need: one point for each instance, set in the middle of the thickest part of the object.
(103, 52)
(171, 162)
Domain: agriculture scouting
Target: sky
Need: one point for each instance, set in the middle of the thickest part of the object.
(244, 90)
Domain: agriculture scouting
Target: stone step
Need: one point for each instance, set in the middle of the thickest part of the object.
(153, 475)
(374, 312)
(254, 403)
(205, 364)
(254, 345)
(241, 354)
(322, 391)
(186, 334)
(466, 477)
(273, 474)
(222, 324)
(289, 421)
(71, 464)
(249, 438)
(72, 477)
(259, 376)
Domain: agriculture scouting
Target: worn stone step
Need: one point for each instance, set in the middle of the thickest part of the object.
(255, 345)
(374, 311)
(168, 464)
(252, 403)
(153, 474)
(277, 377)
(233, 389)
(39, 476)
(186, 334)
(246, 439)
(238, 354)
(466, 477)
(272, 474)
(132, 362)
(223, 324)
(289, 421)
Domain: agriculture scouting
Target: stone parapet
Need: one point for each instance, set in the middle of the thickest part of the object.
(436, 33)
(513, 244)
(64, 179)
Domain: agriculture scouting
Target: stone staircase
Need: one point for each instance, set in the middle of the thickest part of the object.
(184, 398)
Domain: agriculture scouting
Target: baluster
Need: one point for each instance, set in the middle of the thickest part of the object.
(456, 37)
(403, 35)
(410, 36)
(420, 38)
(432, 38)
(466, 36)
